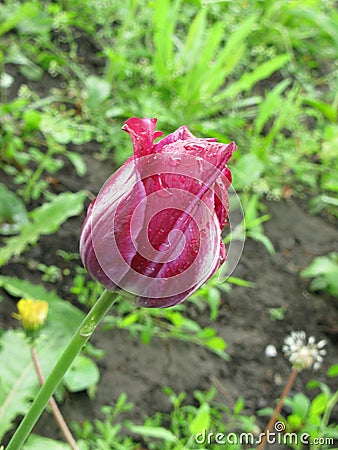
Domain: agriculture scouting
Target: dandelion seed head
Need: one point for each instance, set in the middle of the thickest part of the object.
(302, 353)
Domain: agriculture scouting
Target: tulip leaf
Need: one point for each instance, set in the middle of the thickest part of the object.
(44, 220)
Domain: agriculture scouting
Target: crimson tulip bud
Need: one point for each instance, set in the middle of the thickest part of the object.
(154, 229)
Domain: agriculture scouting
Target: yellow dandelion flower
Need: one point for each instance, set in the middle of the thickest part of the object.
(31, 313)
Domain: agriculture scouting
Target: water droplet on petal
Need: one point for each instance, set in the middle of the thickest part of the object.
(201, 164)
(163, 190)
(194, 147)
(175, 161)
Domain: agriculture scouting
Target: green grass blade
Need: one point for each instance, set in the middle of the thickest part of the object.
(229, 56)
(193, 80)
(248, 80)
(245, 83)
(191, 51)
(165, 17)
(269, 106)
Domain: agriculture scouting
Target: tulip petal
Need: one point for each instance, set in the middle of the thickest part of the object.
(143, 134)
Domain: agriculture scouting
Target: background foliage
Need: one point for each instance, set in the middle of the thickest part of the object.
(261, 73)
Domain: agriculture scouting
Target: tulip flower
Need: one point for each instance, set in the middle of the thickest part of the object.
(155, 228)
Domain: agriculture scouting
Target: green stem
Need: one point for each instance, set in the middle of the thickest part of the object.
(79, 339)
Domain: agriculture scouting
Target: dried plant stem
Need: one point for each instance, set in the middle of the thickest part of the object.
(278, 408)
(53, 405)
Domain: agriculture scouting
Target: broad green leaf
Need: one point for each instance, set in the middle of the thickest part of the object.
(81, 375)
(324, 270)
(333, 371)
(247, 171)
(58, 127)
(13, 213)
(165, 17)
(6, 80)
(18, 381)
(32, 119)
(329, 181)
(201, 421)
(35, 442)
(98, 90)
(78, 162)
(318, 404)
(322, 265)
(176, 318)
(60, 311)
(163, 40)
(24, 12)
(206, 333)
(155, 432)
(129, 320)
(295, 421)
(239, 405)
(44, 220)
(146, 333)
(216, 343)
(31, 71)
(300, 405)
